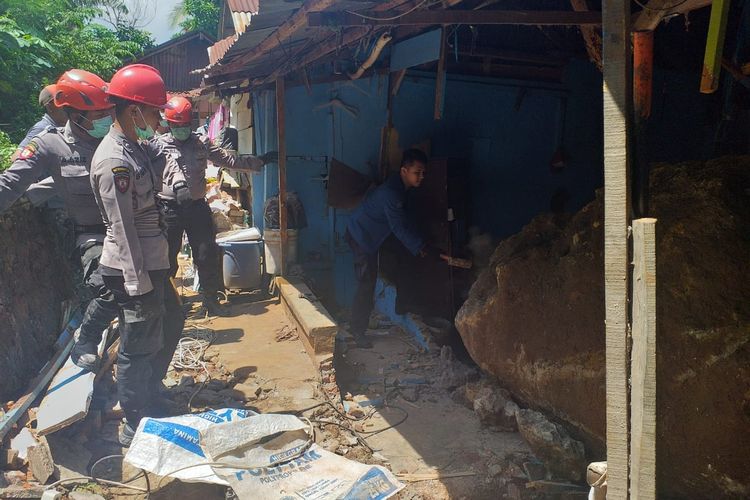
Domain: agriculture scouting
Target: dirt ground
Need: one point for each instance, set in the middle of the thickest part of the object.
(393, 405)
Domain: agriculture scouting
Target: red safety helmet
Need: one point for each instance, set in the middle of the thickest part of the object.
(81, 90)
(139, 83)
(178, 110)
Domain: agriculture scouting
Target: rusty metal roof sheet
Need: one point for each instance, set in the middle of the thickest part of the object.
(217, 50)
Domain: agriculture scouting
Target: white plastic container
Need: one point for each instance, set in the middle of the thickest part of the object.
(272, 239)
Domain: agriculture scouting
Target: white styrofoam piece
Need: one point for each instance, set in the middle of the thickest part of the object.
(68, 396)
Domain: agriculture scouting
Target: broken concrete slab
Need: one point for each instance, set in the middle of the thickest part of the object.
(41, 464)
(563, 455)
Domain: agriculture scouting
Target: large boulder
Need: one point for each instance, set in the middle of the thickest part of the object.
(535, 319)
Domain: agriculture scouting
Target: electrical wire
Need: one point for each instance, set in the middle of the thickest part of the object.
(662, 9)
(119, 484)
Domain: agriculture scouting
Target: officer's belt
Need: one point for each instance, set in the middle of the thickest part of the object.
(91, 229)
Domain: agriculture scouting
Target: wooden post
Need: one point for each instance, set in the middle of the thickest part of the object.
(616, 45)
(440, 80)
(717, 28)
(643, 363)
(281, 125)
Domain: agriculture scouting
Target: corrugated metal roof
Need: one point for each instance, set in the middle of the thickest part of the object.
(270, 15)
(217, 50)
(249, 6)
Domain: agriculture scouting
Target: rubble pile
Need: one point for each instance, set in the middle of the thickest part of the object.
(227, 212)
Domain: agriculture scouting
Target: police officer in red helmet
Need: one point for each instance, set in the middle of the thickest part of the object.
(135, 262)
(185, 207)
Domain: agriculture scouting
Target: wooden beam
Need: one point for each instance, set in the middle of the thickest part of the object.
(617, 83)
(717, 29)
(657, 10)
(514, 55)
(440, 80)
(643, 363)
(281, 126)
(296, 22)
(320, 51)
(474, 17)
(591, 36)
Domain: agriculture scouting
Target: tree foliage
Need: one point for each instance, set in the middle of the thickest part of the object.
(40, 39)
(194, 15)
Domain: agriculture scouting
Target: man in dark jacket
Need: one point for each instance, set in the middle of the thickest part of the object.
(380, 214)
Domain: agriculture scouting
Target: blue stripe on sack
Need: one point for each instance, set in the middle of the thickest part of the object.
(185, 437)
(68, 380)
(374, 485)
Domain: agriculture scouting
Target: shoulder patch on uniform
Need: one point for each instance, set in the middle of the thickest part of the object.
(122, 178)
(28, 151)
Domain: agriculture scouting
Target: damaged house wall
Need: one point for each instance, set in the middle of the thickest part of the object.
(508, 150)
(36, 278)
(535, 319)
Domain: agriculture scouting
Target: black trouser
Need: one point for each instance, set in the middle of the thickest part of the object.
(174, 322)
(195, 218)
(366, 271)
(141, 340)
(103, 308)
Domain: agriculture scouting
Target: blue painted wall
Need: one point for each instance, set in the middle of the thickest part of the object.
(509, 150)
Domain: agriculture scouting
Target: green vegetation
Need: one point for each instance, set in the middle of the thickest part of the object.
(40, 39)
(194, 15)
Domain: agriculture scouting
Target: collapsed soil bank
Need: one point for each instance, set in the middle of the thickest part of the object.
(35, 279)
(535, 319)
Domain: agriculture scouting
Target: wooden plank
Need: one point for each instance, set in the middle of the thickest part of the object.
(717, 30)
(40, 381)
(111, 358)
(444, 17)
(656, 10)
(68, 397)
(643, 363)
(440, 80)
(616, 100)
(281, 125)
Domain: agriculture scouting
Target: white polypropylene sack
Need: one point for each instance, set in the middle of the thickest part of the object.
(163, 445)
(275, 462)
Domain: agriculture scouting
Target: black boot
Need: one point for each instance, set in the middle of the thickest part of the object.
(84, 355)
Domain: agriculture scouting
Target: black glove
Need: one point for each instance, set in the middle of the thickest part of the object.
(270, 157)
(181, 192)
